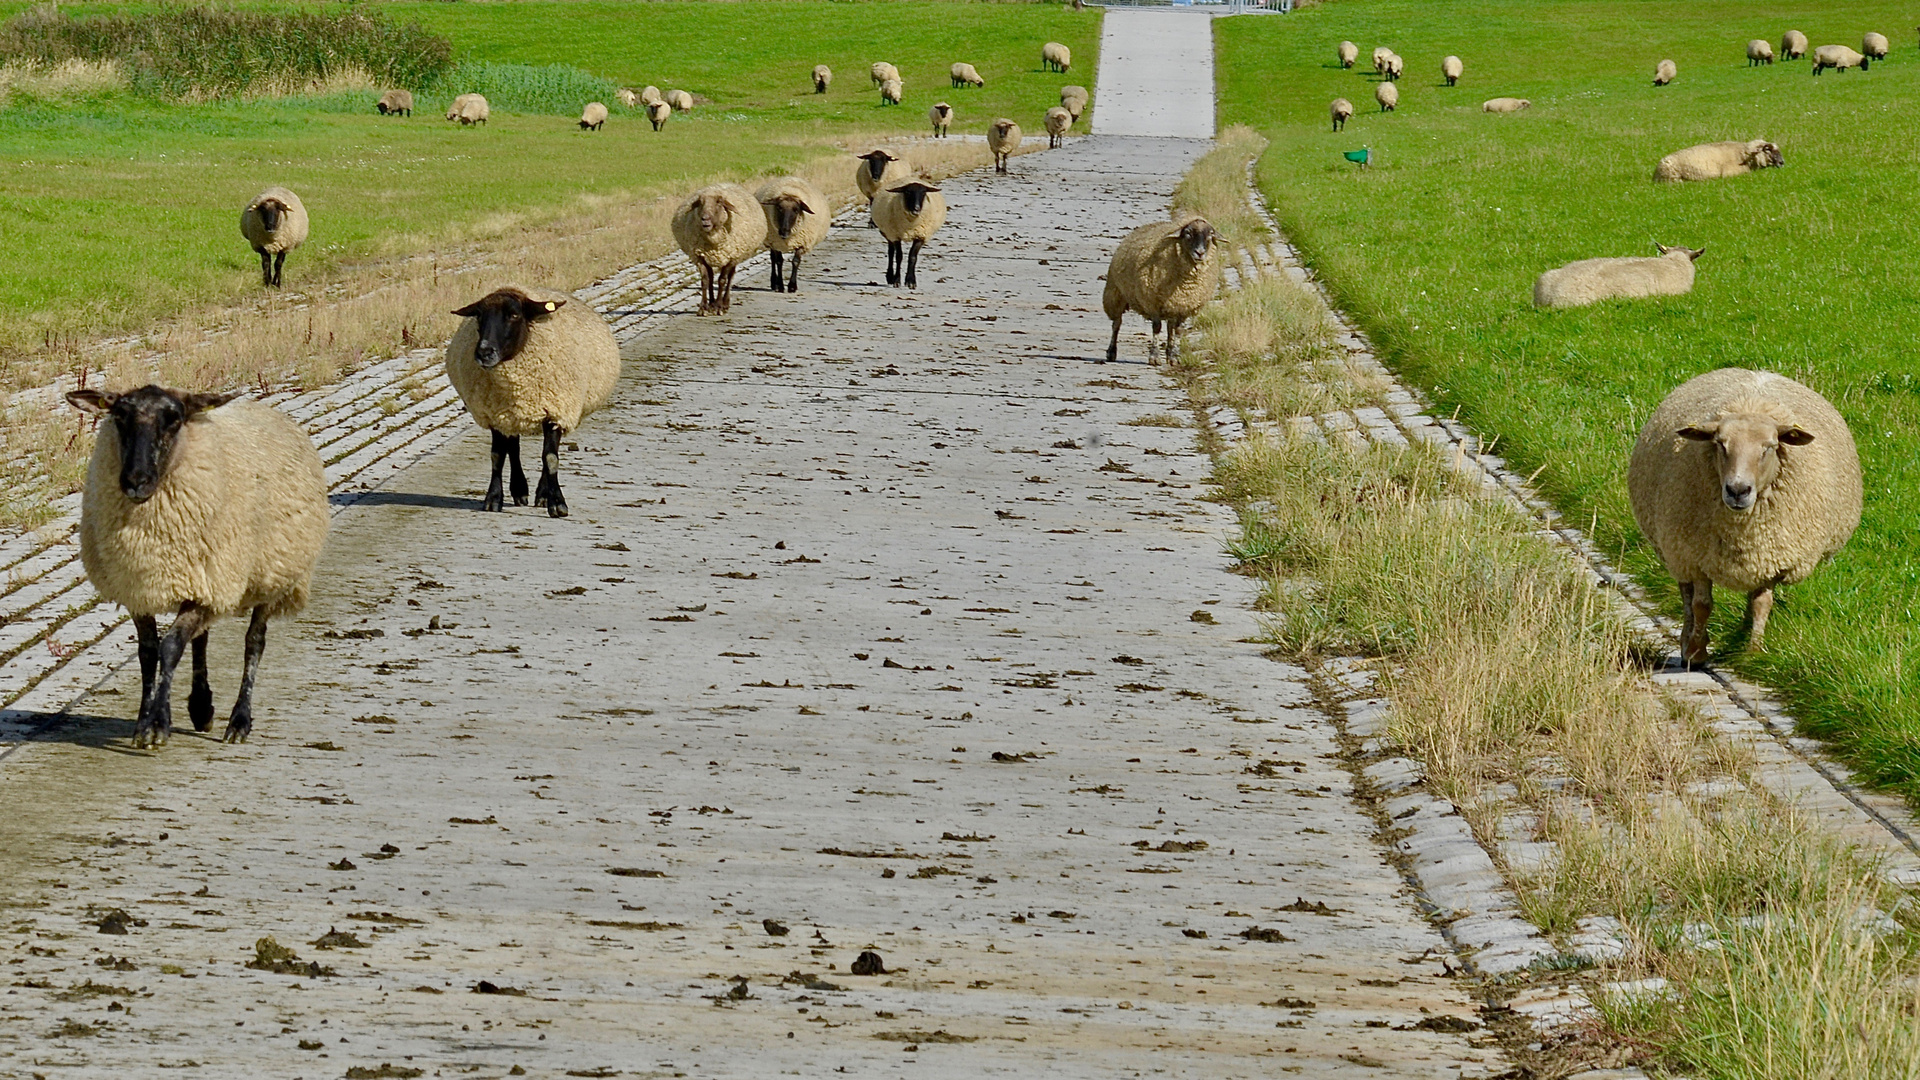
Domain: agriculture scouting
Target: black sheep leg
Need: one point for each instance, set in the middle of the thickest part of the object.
(156, 710)
(240, 724)
(517, 487)
(913, 260)
(793, 279)
(279, 261)
(200, 700)
(266, 267)
(1173, 329)
(1113, 346)
(148, 631)
(548, 494)
(1153, 339)
(496, 497)
(779, 282)
(893, 262)
(726, 288)
(707, 306)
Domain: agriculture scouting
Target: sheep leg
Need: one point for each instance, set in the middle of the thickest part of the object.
(1153, 339)
(148, 632)
(156, 711)
(706, 288)
(1113, 346)
(913, 261)
(279, 261)
(495, 496)
(793, 280)
(779, 282)
(1698, 598)
(550, 496)
(1759, 606)
(726, 288)
(200, 699)
(266, 267)
(240, 724)
(518, 487)
(893, 262)
(1173, 328)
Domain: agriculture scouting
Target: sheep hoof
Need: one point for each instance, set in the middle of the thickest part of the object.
(200, 708)
(557, 507)
(493, 503)
(239, 726)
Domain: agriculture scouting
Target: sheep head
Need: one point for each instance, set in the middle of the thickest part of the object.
(270, 210)
(1196, 238)
(505, 318)
(147, 422)
(713, 210)
(786, 213)
(1762, 154)
(913, 194)
(877, 163)
(1692, 254)
(1748, 446)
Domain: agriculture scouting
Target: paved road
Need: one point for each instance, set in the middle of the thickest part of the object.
(1158, 68)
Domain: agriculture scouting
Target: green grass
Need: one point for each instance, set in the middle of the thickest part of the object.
(1807, 272)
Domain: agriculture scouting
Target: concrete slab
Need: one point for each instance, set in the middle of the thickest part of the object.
(1156, 74)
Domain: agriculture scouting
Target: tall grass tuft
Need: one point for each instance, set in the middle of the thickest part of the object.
(555, 89)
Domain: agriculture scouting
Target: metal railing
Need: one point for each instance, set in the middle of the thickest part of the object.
(1216, 7)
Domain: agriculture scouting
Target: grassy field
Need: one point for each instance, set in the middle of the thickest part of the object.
(1807, 270)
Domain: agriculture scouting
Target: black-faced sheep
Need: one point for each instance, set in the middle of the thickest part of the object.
(593, 117)
(200, 509)
(1590, 281)
(910, 212)
(1166, 271)
(1058, 122)
(1759, 52)
(1793, 45)
(275, 222)
(658, 113)
(1451, 69)
(1711, 161)
(1055, 57)
(1839, 57)
(822, 78)
(395, 103)
(878, 169)
(1348, 53)
(1665, 72)
(1341, 110)
(798, 216)
(965, 75)
(1875, 46)
(941, 116)
(1003, 139)
(719, 227)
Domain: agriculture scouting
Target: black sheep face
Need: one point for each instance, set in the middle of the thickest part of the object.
(270, 211)
(787, 210)
(147, 422)
(877, 163)
(1197, 237)
(506, 318)
(914, 195)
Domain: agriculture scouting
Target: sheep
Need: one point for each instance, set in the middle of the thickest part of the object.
(529, 361)
(275, 222)
(890, 92)
(680, 100)
(1166, 271)
(1837, 56)
(1664, 72)
(1875, 46)
(1793, 45)
(1055, 57)
(1711, 161)
(1003, 138)
(798, 216)
(878, 169)
(201, 506)
(1058, 122)
(965, 75)
(1759, 52)
(1349, 53)
(1451, 69)
(649, 94)
(1380, 54)
(627, 98)
(1341, 111)
(1074, 100)
(822, 78)
(658, 112)
(718, 227)
(1394, 67)
(469, 109)
(941, 116)
(1745, 479)
(881, 71)
(1505, 104)
(395, 103)
(912, 211)
(593, 117)
(1590, 281)
(1388, 95)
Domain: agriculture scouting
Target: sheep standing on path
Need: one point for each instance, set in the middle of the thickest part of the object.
(593, 117)
(531, 361)
(200, 509)
(1055, 57)
(718, 227)
(1003, 139)
(1342, 110)
(878, 169)
(1451, 69)
(1348, 53)
(1664, 72)
(275, 222)
(1388, 95)
(1711, 161)
(798, 216)
(909, 212)
(1744, 479)
(1058, 122)
(1166, 271)
(1590, 281)
(941, 116)
(1839, 57)
(822, 78)
(1793, 45)
(395, 103)
(965, 75)
(1759, 53)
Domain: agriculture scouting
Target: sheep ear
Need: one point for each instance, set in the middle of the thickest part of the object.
(1795, 435)
(1699, 432)
(472, 310)
(804, 208)
(1697, 252)
(1660, 247)
(96, 402)
(198, 403)
(539, 309)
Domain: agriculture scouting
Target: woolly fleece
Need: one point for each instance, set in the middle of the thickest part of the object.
(567, 370)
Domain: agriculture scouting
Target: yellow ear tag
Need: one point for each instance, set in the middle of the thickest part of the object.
(551, 305)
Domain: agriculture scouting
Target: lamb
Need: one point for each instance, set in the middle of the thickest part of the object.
(822, 78)
(658, 112)
(593, 117)
(1711, 161)
(627, 98)
(1388, 95)
(1590, 281)
(529, 361)
(1349, 53)
(1003, 138)
(1074, 100)
(1505, 104)
(1759, 52)
(1394, 67)
(275, 222)
(649, 94)
(718, 227)
(1055, 57)
(912, 211)
(1166, 271)
(395, 103)
(1380, 54)
(203, 507)
(798, 216)
(1058, 122)
(1875, 46)
(1342, 111)
(1451, 69)
(878, 169)
(941, 116)
(1664, 72)
(469, 109)
(965, 75)
(890, 92)
(1837, 56)
(881, 71)
(1745, 479)
(1793, 45)
(680, 100)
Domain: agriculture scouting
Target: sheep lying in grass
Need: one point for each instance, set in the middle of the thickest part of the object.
(1875, 46)
(658, 113)
(1743, 479)
(941, 117)
(200, 509)
(650, 94)
(1793, 45)
(798, 216)
(468, 109)
(822, 78)
(275, 222)
(395, 103)
(1664, 72)
(1341, 110)
(1074, 100)
(1349, 54)
(680, 100)
(1590, 281)
(531, 361)
(1505, 105)
(1388, 95)
(593, 117)
(718, 227)
(1711, 161)
(1058, 122)
(891, 92)
(627, 98)
(1759, 52)
(1166, 271)
(908, 213)
(878, 169)
(965, 75)
(881, 71)
(1003, 139)
(1056, 57)
(1451, 69)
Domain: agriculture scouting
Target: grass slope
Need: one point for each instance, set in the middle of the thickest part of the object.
(1808, 268)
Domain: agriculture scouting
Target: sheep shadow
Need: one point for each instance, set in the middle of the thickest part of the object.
(111, 734)
(401, 498)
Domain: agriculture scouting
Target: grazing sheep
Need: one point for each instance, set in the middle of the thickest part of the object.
(200, 509)
(1056, 57)
(1394, 68)
(797, 219)
(1388, 95)
(1759, 52)
(1341, 110)
(649, 94)
(680, 100)
(912, 211)
(878, 169)
(531, 361)
(1380, 54)
(718, 227)
(395, 103)
(469, 109)
(1793, 45)
(1837, 56)
(1505, 104)
(1664, 72)
(890, 92)
(275, 222)
(1349, 54)
(1590, 281)
(658, 112)
(1451, 69)
(1744, 479)
(881, 71)
(965, 75)
(1166, 271)
(593, 116)
(627, 98)
(1058, 122)
(1711, 161)
(1003, 138)
(1074, 100)
(1875, 46)
(941, 116)
(822, 78)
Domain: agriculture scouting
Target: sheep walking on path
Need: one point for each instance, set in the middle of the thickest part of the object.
(1711, 161)
(908, 213)
(275, 222)
(1166, 271)
(200, 509)
(1003, 139)
(798, 216)
(878, 169)
(1744, 479)
(719, 227)
(1590, 281)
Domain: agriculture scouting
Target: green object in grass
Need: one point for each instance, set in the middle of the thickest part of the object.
(1359, 157)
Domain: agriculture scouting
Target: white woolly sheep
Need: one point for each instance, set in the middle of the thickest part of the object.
(531, 361)
(650, 94)
(1711, 161)
(941, 116)
(1759, 52)
(658, 112)
(680, 100)
(1380, 54)
(468, 109)
(909, 212)
(890, 92)
(881, 71)
(1664, 72)
(1058, 122)
(878, 169)
(1055, 57)
(1341, 110)
(822, 78)
(719, 227)
(1451, 69)
(275, 222)
(1349, 54)
(1003, 139)
(798, 216)
(965, 75)
(1166, 271)
(1590, 281)
(201, 509)
(1875, 46)
(1388, 95)
(1793, 45)
(395, 103)
(1074, 100)
(1394, 67)
(627, 98)
(593, 117)
(1743, 479)
(1505, 105)
(1837, 56)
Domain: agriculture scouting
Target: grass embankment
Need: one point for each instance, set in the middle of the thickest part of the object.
(1807, 272)
(1783, 956)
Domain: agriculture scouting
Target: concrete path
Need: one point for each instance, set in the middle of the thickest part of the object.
(1156, 73)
